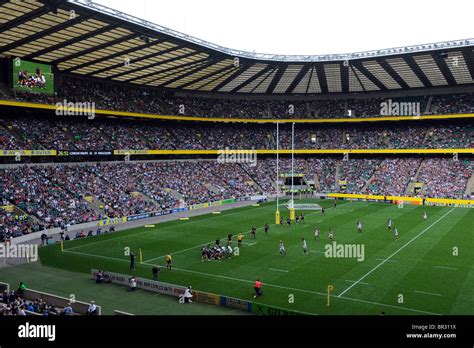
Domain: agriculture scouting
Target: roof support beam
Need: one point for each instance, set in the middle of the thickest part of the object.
(298, 78)
(369, 75)
(263, 80)
(24, 18)
(309, 79)
(93, 49)
(43, 33)
(468, 54)
(418, 72)
(169, 60)
(323, 83)
(130, 62)
(170, 71)
(241, 69)
(281, 69)
(217, 76)
(391, 71)
(344, 68)
(253, 78)
(73, 41)
(207, 76)
(443, 67)
(358, 78)
(191, 71)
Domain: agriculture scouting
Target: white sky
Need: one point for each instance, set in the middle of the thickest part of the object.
(309, 27)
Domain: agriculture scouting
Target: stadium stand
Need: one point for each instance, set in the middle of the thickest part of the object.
(26, 133)
(40, 192)
(117, 98)
(54, 195)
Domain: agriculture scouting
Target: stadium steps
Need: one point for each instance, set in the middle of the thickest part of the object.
(269, 109)
(147, 198)
(317, 185)
(69, 133)
(272, 141)
(272, 180)
(256, 184)
(374, 170)
(367, 183)
(212, 188)
(470, 186)
(144, 138)
(9, 132)
(428, 106)
(18, 211)
(308, 109)
(4, 132)
(336, 176)
(176, 195)
(95, 204)
(411, 184)
(427, 139)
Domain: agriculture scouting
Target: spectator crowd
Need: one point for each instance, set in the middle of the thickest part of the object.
(144, 100)
(28, 133)
(59, 195)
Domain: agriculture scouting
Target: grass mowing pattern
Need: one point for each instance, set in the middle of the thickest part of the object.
(422, 266)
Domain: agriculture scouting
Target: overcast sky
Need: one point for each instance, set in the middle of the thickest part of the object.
(309, 27)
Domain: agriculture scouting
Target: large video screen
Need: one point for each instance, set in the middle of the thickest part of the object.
(32, 77)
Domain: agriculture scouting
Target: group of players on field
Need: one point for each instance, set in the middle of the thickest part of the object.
(218, 252)
(37, 80)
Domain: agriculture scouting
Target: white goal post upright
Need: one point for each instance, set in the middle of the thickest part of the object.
(277, 213)
(292, 203)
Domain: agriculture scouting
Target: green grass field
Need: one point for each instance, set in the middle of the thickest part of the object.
(429, 270)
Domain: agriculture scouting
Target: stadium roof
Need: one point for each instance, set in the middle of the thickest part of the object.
(92, 40)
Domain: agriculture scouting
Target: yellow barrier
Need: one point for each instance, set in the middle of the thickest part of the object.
(242, 120)
(300, 151)
(27, 153)
(414, 200)
(30, 153)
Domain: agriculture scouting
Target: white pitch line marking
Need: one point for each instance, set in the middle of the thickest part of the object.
(267, 284)
(278, 270)
(316, 251)
(396, 252)
(427, 293)
(353, 281)
(445, 267)
(386, 259)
